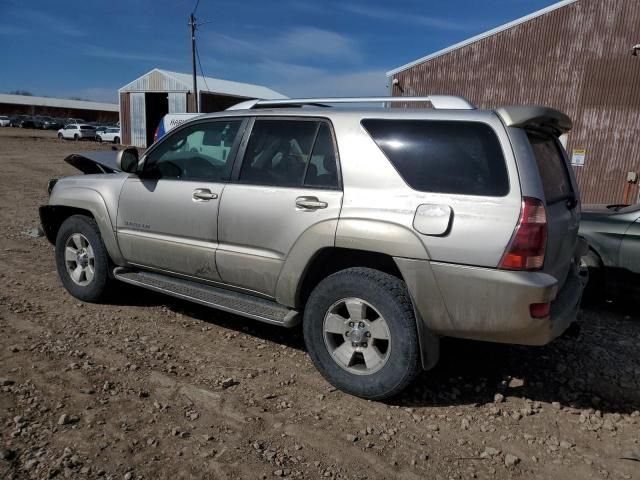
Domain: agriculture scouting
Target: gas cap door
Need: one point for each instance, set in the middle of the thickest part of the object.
(433, 219)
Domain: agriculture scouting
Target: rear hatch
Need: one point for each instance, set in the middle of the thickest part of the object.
(561, 202)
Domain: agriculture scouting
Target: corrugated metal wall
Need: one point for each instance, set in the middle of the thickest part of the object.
(138, 127)
(154, 81)
(125, 119)
(177, 102)
(577, 59)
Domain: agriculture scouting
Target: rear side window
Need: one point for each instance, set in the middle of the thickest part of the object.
(443, 156)
(278, 152)
(552, 167)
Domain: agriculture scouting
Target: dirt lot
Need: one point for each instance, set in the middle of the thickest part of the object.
(151, 387)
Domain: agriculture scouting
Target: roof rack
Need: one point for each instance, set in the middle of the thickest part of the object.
(438, 101)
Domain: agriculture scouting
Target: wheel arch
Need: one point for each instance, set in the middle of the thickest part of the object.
(334, 259)
(81, 201)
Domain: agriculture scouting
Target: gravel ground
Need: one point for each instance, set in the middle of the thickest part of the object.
(151, 387)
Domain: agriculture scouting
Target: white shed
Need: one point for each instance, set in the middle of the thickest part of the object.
(144, 101)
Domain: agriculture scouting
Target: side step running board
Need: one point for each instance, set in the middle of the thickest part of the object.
(227, 300)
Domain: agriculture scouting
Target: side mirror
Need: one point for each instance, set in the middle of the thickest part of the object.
(127, 160)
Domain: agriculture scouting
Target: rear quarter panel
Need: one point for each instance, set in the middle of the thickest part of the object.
(375, 194)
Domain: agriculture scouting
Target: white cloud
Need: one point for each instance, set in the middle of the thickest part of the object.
(295, 43)
(102, 52)
(11, 30)
(390, 15)
(303, 81)
(52, 23)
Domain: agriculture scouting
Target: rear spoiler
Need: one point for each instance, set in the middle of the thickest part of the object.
(542, 118)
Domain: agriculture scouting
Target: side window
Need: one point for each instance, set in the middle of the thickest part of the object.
(322, 171)
(198, 152)
(278, 152)
(443, 156)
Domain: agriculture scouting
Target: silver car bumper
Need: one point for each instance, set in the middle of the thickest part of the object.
(488, 304)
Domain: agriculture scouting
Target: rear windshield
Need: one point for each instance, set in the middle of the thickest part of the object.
(552, 167)
(443, 156)
(87, 127)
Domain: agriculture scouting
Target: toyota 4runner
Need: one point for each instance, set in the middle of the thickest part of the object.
(380, 229)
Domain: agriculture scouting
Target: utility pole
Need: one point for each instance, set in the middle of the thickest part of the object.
(192, 24)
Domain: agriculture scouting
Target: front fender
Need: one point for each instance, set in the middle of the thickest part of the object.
(92, 201)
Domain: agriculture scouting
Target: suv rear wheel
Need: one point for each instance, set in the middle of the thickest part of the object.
(81, 259)
(360, 331)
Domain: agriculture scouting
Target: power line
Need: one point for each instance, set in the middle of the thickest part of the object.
(204, 79)
(196, 7)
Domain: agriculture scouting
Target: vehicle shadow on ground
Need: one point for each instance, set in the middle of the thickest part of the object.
(597, 369)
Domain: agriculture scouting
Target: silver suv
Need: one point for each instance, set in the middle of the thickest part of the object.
(380, 229)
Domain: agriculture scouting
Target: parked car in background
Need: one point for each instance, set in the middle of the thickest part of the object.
(613, 260)
(76, 121)
(29, 122)
(171, 121)
(49, 123)
(77, 132)
(15, 120)
(379, 229)
(4, 121)
(110, 134)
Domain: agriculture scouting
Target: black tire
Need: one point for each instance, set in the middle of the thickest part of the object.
(59, 136)
(116, 140)
(99, 139)
(99, 286)
(76, 137)
(390, 297)
(594, 292)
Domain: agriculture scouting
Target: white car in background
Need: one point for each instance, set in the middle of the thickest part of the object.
(111, 134)
(4, 121)
(77, 132)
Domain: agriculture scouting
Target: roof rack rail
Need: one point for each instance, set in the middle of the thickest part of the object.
(438, 101)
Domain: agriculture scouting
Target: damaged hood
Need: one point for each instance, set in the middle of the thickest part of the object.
(94, 162)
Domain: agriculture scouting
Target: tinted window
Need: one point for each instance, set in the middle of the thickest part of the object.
(443, 157)
(278, 152)
(198, 152)
(323, 167)
(552, 167)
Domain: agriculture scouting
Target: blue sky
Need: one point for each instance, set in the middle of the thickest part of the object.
(301, 48)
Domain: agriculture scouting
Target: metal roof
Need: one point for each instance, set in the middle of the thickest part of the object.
(482, 36)
(184, 82)
(57, 102)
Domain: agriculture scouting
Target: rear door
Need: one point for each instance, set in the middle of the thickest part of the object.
(287, 183)
(562, 205)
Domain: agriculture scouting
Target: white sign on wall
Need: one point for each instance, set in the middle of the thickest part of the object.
(577, 159)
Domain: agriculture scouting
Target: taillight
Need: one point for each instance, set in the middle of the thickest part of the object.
(529, 242)
(540, 310)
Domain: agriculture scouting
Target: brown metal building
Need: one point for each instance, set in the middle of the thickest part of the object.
(58, 107)
(575, 56)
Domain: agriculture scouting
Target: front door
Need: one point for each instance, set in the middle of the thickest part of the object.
(167, 216)
(288, 183)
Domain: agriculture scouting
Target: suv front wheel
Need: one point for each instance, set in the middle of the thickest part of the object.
(81, 259)
(360, 331)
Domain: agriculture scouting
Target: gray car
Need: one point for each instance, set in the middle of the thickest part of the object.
(613, 259)
(380, 229)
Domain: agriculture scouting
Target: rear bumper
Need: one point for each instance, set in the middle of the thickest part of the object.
(491, 305)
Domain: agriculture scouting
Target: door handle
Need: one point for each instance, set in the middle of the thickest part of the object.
(204, 195)
(310, 203)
